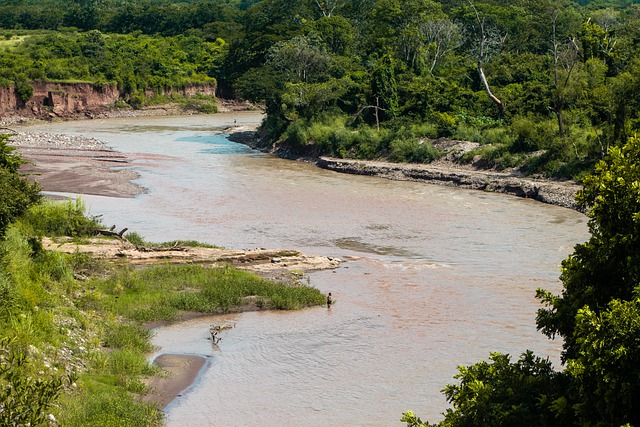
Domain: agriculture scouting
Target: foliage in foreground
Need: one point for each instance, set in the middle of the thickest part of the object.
(597, 314)
(73, 350)
(16, 193)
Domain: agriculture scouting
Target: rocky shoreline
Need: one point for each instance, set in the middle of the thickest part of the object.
(444, 171)
(552, 192)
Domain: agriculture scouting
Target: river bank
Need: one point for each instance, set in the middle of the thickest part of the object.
(559, 193)
(70, 164)
(79, 165)
(180, 371)
(444, 171)
(455, 255)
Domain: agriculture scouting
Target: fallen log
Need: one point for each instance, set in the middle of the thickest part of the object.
(110, 232)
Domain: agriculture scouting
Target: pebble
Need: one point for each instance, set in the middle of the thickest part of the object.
(56, 141)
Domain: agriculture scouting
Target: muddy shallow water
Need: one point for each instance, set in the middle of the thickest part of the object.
(443, 276)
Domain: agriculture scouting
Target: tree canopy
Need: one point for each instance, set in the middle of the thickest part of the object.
(545, 85)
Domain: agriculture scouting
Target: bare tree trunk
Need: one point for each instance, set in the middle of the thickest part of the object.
(377, 108)
(487, 89)
(487, 39)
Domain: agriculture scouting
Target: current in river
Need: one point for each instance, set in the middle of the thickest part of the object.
(434, 278)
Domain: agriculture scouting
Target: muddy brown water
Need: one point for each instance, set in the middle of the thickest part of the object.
(442, 277)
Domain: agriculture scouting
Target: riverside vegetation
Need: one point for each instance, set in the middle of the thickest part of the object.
(545, 86)
(73, 344)
(550, 87)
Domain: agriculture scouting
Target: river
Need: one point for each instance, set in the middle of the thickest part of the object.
(435, 277)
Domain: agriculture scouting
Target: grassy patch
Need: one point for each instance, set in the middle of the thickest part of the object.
(160, 293)
(75, 321)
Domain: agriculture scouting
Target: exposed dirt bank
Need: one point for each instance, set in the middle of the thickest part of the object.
(264, 261)
(77, 100)
(444, 171)
(553, 192)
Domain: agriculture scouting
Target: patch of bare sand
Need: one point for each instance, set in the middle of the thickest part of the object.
(179, 371)
(258, 260)
(80, 165)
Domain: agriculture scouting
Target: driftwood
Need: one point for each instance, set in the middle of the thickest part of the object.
(214, 330)
(120, 235)
(112, 233)
(174, 247)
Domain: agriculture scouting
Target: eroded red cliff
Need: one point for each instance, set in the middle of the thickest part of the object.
(50, 100)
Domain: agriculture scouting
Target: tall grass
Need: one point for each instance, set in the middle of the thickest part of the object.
(161, 292)
(334, 136)
(51, 218)
(62, 325)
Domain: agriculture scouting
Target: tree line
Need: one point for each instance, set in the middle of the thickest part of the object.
(546, 85)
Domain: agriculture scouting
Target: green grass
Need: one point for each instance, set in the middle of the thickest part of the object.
(137, 239)
(160, 293)
(76, 320)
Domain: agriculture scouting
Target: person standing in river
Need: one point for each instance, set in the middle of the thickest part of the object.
(329, 300)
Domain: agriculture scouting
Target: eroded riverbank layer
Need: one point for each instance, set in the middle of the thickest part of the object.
(442, 172)
(553, 192)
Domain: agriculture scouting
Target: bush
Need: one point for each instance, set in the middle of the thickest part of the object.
(135, 238)
(60, 219)
(531, 136)
(412, 151)
(446, 124)
(296, 134)
(128, 336)
(24, 90)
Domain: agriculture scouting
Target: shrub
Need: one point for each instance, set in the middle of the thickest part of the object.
(135, 238)
(60, 219)
(412, 151)
(25, 400)
(295, 134)
(128, 336)
(24, 90)
(446, 124)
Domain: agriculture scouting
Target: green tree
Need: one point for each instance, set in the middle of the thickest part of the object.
(301, 59)
(384, 89)
(607, 369)
(502, 393)
(606, 267)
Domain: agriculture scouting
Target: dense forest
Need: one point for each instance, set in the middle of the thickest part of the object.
(551, 87)
(548, 86)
